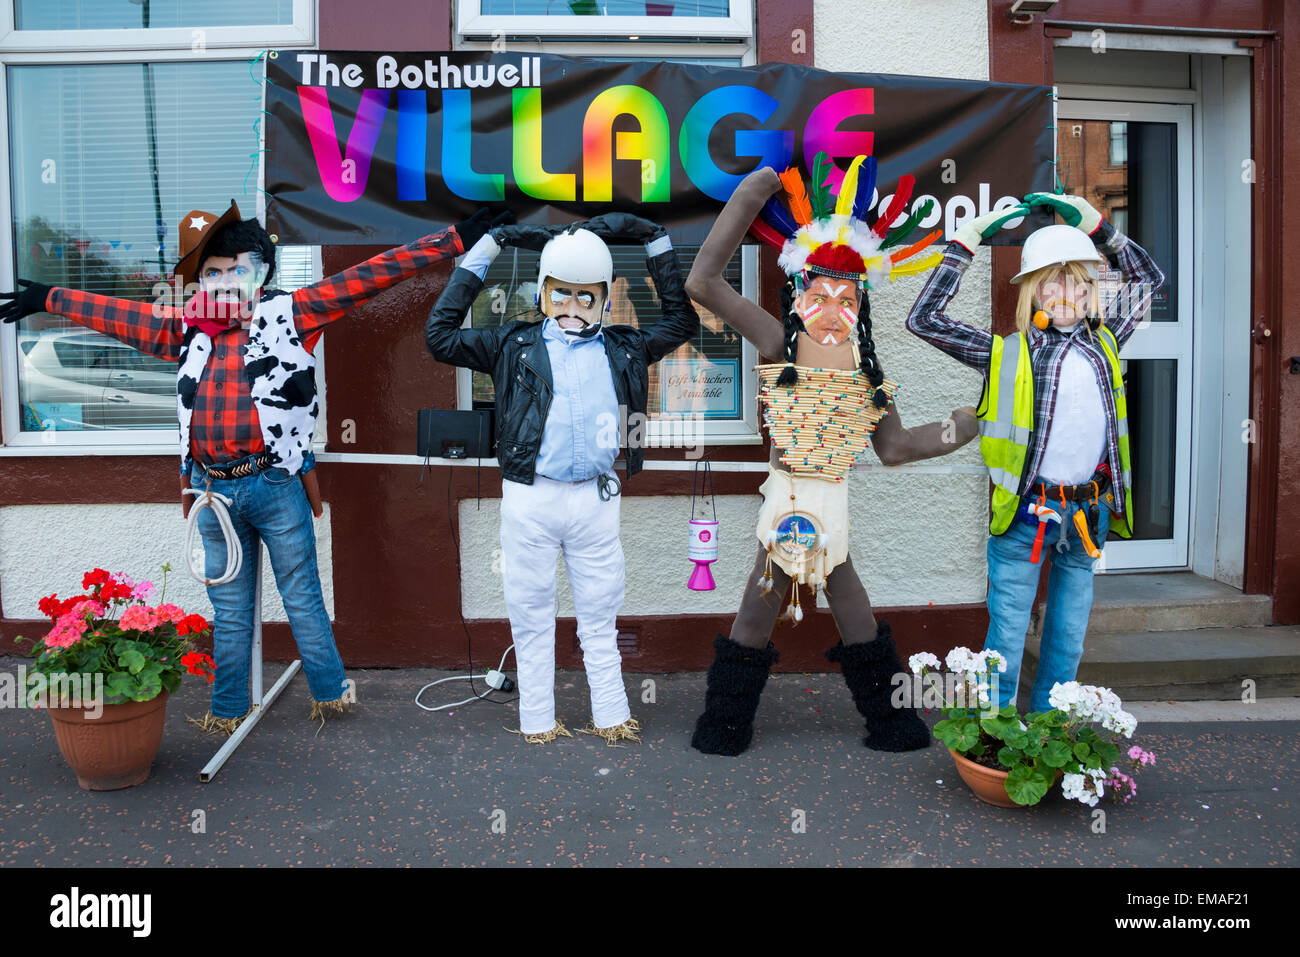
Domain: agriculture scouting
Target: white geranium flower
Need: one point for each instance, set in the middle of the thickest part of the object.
(1064, 695)
(959, 660)
(993, 658)
(919, 661)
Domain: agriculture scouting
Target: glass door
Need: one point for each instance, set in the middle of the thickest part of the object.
(1133, 162)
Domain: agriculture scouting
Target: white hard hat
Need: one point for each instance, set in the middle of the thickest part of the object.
(1056, 246)
(579, 257)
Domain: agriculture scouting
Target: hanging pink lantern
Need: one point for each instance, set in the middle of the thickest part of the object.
(703, 547)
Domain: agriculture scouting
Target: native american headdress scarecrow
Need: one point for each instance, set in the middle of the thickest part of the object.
(822, 235)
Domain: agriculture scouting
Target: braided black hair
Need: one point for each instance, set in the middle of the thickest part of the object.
(867, 353)
(793, 325)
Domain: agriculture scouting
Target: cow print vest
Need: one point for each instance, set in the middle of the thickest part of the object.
(281, 377)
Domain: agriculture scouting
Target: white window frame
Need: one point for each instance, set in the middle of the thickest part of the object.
(472, 24)
(73, 48)
(667, 432)
(301, 32)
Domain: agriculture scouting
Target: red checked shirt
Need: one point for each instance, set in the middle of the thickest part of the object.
(225, 424)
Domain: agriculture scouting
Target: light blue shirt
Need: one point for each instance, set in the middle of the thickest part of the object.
(581, 437)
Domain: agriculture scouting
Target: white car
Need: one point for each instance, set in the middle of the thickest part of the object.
(80, 379)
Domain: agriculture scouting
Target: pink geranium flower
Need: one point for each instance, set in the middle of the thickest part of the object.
(142, 590)
(169, 613)
(138, 618)
(62, 636)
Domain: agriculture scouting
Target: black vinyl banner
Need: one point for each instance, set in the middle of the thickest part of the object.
(373, 148)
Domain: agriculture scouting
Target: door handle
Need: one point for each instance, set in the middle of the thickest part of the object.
(1261, 333)
(123, 377)
(117, 398)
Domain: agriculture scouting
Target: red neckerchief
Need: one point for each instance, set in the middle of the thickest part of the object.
(213, 317)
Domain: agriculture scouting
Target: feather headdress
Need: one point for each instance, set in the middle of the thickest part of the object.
(827, 235)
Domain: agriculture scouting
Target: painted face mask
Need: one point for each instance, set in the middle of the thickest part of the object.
(576, 308)
(829, 309)
(1065, 300)
(229, 285)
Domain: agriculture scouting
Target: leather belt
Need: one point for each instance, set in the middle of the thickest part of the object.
(241, 469)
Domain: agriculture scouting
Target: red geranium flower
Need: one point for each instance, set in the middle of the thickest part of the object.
(191, 625)
(197, 663)
(96, 577)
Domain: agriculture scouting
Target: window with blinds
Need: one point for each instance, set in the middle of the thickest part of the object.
(153, 14)
(105, 159)
(701, 379)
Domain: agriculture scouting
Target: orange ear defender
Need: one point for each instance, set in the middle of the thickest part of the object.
(1041, 320)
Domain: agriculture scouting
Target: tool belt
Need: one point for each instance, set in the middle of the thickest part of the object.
(1090, 491)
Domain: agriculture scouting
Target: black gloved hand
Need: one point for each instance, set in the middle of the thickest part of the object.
(27, 300)
(612, 227)
(471, 230)
(526, 236)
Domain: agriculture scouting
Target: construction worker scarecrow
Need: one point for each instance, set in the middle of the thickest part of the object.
(1053, 421)
(561, 384)
(247, 404)
(822, 405)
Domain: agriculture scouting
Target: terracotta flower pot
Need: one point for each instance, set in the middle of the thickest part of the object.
(989, 785)
(115, 750)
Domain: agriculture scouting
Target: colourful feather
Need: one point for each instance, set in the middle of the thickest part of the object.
(901, 196)
(761, 231)
(778, 217)
(849, 189)
(916, 247)
(799, 204)
(866, 189)
(902, 232)
(821, 192)
(921, 265)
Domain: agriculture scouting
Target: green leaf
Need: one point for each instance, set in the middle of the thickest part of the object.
(1016, 739)
(1033, 749)
(1092, 761)
(1025, 786)
(949, 734)
(1108, 752)
(1008, 757)
(968, 735)
(132, 660)
(1056, 753)
(1081, 750)
(149, 689)
(121, 684)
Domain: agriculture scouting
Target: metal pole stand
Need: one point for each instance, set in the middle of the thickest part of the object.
(260, 704)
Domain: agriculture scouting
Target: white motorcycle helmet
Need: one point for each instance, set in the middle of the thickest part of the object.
(1056, 246)
(579, 257)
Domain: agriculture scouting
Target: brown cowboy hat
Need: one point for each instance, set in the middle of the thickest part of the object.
(196, 228)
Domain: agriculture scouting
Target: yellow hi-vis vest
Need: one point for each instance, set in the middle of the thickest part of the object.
(1006, 415)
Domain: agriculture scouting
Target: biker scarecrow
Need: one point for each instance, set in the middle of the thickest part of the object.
(560, 386)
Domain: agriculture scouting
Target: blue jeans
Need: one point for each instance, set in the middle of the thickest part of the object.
(272, 507)
(1013, 583)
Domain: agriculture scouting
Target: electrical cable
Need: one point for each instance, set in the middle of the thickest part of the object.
(470, 678)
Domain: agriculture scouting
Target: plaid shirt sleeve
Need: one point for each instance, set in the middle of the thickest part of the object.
(152, 328)
(1142, 277)
(318, 305)
(963, 342)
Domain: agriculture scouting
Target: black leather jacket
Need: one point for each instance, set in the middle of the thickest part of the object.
(516, 358)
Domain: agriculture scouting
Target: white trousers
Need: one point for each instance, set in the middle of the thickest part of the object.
(537, 521)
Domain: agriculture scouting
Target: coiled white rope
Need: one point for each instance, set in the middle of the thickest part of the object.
(206, 498)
